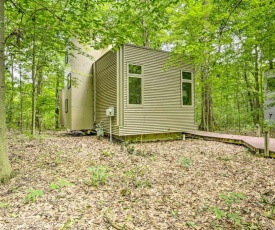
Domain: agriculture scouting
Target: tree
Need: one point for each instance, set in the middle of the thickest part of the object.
(5, 167)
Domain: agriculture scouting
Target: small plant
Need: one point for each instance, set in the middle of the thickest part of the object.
(60, 183)
(129, 149)
(191, 224)
(98, 175)
(185, 162)
(143, 184)
(107, 153)
(229, 213)
(32, 195)
(4, 205)
(174, 213)
(269, 205)
(135, 172)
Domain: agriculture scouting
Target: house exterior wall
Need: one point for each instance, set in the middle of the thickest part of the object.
(80, 94)
(269, 108)
(106, 90)
(162, 110)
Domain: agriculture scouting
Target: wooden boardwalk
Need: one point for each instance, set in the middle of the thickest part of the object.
(256, 144)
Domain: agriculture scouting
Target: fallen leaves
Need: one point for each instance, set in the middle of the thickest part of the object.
(157, 185)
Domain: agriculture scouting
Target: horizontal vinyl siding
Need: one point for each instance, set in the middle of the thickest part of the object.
(106, 90)
(161, 111)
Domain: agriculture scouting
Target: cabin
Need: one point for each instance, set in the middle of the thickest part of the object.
(131, 92)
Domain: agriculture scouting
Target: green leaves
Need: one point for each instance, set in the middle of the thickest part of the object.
(32, 195)
(230, 200)
(60, 183)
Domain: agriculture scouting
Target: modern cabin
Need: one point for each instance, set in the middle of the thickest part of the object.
(144, 96)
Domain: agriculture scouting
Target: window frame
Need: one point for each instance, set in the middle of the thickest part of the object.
(66, 57)
(140, 76)
(192, 87)
(66, 105)
(69, 80)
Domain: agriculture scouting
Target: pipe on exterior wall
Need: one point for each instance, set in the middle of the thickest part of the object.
(94, 92)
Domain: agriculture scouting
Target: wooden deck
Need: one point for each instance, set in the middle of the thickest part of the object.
(256, 144)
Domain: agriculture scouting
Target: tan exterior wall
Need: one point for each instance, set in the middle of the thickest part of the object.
(162, 110)
(269, 111)
(80, 95)
(106, 90)
(62, 107)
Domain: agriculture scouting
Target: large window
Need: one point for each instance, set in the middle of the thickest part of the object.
(186, 88)
(134, 84)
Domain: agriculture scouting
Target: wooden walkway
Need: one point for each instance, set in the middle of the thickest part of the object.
(256, 144)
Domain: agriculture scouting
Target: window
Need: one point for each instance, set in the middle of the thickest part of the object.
(134, 84)
(66, 105)
(66, 57)
(69, 80)
(186, 88)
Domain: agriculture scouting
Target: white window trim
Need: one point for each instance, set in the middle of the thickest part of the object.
(136, 76)
(192, 87)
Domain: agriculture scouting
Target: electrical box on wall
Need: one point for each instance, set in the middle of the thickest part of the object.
(110, 112)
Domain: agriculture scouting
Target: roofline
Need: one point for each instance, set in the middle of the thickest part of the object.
(132, 45)
(146, 48)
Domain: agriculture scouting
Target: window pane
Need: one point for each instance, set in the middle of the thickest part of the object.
(69, 81)
(270, 84)
(66, 106)
(135, 91)
(135, 69)
(186, 93)
(186, 75)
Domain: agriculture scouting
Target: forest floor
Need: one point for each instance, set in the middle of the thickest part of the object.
(68, 182)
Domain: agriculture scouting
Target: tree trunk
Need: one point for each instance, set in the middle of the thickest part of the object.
(21, 98)
(207, 118)
(257, 88)
(145, 31)
(57, 99)
(10, 106)
(5, 167)
(33, 81)
(39, 115)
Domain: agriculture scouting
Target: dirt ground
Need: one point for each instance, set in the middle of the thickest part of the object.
(70, 182)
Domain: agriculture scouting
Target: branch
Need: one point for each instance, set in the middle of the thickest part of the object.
(226, 21)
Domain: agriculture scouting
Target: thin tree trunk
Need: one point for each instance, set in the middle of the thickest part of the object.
(207, 118)
(10, 106)
(21, 98)
(33, 80)
(145, 30)
(250, 98)
(5, 167)
(39, 93)
(57, 99)
(257, 88)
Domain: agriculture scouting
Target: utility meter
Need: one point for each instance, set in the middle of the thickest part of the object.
(110, 112)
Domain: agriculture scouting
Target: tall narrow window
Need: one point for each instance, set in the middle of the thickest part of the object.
(66, 105)
(69, 80)
(66, 57)
(186, 88)
(134, 84)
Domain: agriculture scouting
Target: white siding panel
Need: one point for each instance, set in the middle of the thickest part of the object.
(161, 111)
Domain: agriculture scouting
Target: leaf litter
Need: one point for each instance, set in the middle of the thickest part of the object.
(85, 183)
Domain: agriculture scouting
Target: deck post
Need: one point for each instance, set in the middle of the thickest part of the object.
(258, 130)
(266, 144)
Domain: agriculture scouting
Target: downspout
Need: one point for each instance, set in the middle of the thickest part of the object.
(94, 93)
